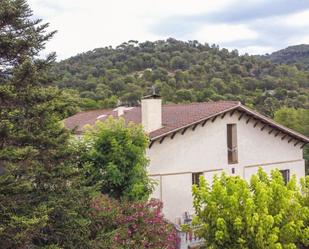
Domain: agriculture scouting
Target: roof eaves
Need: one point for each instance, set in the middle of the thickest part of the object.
(247, 110)
(274, 124)
(196, 122)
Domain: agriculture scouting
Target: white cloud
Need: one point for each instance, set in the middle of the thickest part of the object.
(299, 40)
(279, 32)
(297, 20)
(84, 25)
(256, 49)
(221, 33)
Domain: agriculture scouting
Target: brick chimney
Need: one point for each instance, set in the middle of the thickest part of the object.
(151, 112)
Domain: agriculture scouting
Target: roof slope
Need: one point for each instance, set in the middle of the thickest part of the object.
(79, 120)
(176, 117)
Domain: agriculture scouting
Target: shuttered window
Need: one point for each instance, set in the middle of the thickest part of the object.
(196, 178)
(232, 150)
(286, 175)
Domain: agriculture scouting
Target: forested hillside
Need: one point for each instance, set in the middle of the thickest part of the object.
(298, 55)
(181, 72)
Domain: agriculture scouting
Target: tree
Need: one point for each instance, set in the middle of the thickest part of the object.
(304, 198)
(219, 85)
(178, 62)
(271, 105)
(37, 185)
(134, 95)
(263, 214)
(114, 155)
(181, 66)
(185, 95)
(298, 120)
(234, 88)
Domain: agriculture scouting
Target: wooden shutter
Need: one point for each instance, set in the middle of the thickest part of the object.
(232, 143)
(286, 175)
(196, 178)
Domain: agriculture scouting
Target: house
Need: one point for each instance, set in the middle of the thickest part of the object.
(189, 140)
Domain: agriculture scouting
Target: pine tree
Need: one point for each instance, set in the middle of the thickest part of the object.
(40, 201)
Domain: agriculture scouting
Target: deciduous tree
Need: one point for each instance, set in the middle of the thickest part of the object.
(264, 214)
(115, 157)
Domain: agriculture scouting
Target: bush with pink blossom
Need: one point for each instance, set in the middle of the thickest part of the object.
(130, 225)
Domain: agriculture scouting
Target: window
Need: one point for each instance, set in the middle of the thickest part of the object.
(232, 151)
(286, 175)
(196, 178)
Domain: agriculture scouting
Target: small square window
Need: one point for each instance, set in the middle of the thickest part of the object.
(196, 178)
(286, 175)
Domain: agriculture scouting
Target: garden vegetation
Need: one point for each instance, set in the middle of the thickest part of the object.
(53, 194)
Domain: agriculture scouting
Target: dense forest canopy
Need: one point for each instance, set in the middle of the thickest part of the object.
(181, 72)
(298, 55)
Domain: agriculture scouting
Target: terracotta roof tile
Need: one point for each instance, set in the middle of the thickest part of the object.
(174, 116)
(79, 120)
(177, 116)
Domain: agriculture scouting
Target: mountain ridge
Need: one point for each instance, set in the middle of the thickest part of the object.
(181, 72)
(296, 54)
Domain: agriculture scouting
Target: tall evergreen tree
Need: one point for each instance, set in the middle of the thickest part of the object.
(40, 203)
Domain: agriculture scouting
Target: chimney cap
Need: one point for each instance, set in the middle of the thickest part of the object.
(152, 96)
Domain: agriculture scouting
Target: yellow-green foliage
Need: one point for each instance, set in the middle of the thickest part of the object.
(262, 214)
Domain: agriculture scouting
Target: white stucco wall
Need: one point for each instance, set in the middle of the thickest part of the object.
(205, 150)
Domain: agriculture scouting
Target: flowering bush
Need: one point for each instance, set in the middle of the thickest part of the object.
(126, 225)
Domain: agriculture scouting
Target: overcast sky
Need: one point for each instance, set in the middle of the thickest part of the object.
(253, 26)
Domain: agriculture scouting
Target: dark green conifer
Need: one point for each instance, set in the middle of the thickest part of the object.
(41, 203)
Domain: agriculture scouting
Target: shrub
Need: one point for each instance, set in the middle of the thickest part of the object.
(135, 225)
(265, 214)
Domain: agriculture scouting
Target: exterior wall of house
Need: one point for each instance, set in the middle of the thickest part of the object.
(205, 150)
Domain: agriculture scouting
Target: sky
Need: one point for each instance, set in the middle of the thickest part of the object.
(251, 26)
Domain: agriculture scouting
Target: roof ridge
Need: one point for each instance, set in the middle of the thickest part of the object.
(94, 110)
(165, 105)
(204, 102)
(236, 102)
